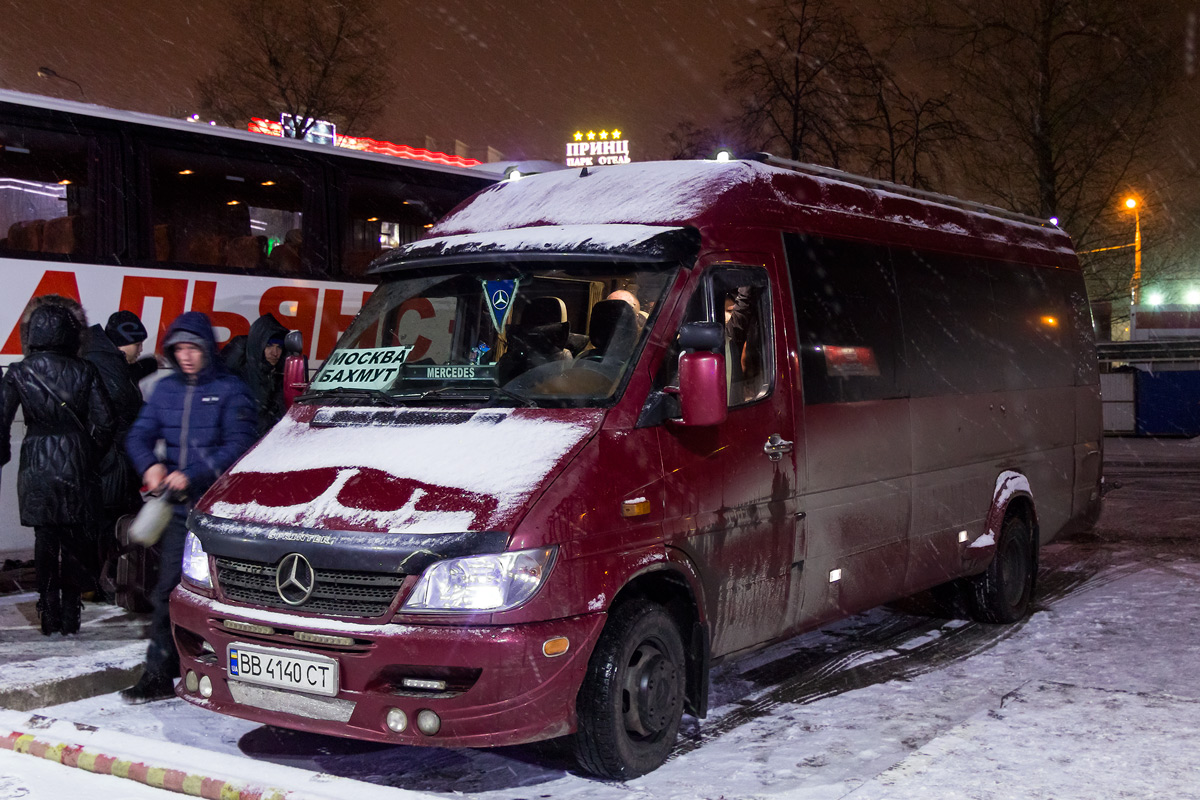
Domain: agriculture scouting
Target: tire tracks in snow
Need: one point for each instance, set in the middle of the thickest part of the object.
(900, 647)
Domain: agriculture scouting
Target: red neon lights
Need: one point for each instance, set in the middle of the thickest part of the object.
(258, 125)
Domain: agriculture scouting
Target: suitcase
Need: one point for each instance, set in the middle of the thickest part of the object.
(137, 570)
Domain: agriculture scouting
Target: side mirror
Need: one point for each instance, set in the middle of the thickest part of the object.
(702, 391)
(295, 368)
(708, 336)
(293, 343)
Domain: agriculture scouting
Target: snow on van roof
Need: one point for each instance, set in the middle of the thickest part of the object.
(746, 192)
(651, 241)
(645, 193)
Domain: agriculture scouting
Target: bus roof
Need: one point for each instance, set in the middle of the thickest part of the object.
(169, 123)
(712, 195)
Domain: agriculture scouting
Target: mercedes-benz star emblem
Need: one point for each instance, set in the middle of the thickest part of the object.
(500, 299)
(295, 579)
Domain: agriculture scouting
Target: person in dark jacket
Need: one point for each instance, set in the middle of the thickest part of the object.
(113, 349)
(261, 368)
(125, 330)
(205, 417)
(69, 424)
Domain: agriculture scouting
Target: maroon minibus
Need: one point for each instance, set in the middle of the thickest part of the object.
(602, 430)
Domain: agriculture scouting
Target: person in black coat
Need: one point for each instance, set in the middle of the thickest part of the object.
(113, 350)
(261, 367)
(69, 424)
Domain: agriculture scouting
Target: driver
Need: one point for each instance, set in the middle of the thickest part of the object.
(540, 338)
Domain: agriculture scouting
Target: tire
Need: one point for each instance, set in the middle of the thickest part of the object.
(1004, 592)
(631, 701)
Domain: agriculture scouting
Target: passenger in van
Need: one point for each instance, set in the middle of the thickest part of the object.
(202, 440)
(631, 298)
(743, 347)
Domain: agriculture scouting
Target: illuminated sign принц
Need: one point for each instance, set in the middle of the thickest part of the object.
(593, 149)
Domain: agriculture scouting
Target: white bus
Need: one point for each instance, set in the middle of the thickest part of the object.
(121, 210)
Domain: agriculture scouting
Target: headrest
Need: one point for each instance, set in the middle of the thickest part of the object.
(544, 311)
(611, 320)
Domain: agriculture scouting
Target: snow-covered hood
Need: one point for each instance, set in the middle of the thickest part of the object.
(400, 470)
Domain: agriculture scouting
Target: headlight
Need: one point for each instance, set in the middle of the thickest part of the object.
(195, 562)
(481, 583)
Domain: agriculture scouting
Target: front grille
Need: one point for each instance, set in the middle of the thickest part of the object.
(337, 592)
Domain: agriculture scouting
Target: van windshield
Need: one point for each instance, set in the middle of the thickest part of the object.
(551, 332)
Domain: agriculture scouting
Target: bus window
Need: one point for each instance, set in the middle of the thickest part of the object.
(380, 215)
(46, 201)
(228, 212)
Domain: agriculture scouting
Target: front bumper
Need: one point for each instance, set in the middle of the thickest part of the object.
(501, 689)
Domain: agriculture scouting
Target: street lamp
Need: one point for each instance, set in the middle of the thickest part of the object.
(46, 72)
(1135, 284)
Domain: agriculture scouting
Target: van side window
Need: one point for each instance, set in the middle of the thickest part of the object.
(47, 204)
(848, 317)
(228, 212)
(746, 306)
(952, 332)
(974, 326)
(741, 298)
(1034, 327)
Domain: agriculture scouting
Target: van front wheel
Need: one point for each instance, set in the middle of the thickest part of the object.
(631, 701)
(1005, 591)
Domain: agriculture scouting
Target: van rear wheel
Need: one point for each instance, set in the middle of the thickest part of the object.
(631, 701)
(1005, 591)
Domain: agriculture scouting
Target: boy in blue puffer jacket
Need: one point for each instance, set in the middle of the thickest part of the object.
(206, 417)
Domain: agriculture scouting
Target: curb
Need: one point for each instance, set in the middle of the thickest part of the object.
(175, 780)
(68, 690)
(186, 769)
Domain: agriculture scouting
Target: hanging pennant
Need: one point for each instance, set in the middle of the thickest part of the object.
(500, 296)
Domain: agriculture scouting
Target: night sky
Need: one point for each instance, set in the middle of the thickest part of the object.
(519, 75)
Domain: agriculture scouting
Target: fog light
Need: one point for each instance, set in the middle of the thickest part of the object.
(206, 687)
(428, 722)
(191, 681)
(397, 720)
(555, 647)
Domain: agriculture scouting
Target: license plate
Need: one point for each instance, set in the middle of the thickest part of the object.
(283, 669)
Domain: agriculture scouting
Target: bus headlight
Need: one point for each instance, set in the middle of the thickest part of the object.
(195, 562)
(482, 583)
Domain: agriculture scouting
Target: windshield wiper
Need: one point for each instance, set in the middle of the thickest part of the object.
(520, 399)
(377, 396)
(472, 393)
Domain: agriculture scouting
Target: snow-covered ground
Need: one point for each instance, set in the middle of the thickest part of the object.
(1094, 696)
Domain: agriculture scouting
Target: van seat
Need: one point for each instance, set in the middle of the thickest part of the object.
(612, 331)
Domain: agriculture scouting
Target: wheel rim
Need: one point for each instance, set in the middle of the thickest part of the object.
(1014, 570)
(650, 691)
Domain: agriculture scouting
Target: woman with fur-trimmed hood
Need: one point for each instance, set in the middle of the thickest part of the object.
(69, 425)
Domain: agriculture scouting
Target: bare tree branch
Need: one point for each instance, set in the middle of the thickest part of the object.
(312, 59)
